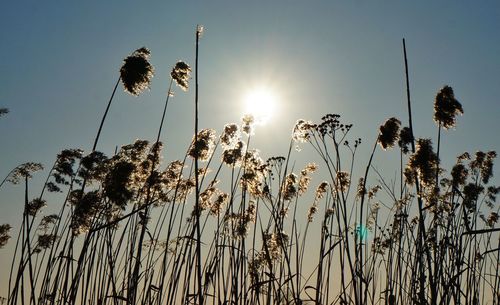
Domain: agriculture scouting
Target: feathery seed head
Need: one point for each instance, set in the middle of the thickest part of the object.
(405, 139)
(389, 133)
(4, 234)
(321, 190)
(181, 74)
(343, 181)
(34, 206)
(289, 188)
(23, 171)
(234, 156)
(424, 162)
(459, 174)
(204, 146)
(446, 108)
(45, 241)
(136, 72)
(302, 131)
(230, 136)
(248, 123)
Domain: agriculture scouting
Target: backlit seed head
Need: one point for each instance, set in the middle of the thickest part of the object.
(230, 136)
(446, 108)
(459, 174)
(181, 74)
(4, 234)
(202, 147)
(342, 181)
(405, 139)
(34, 206)
(247, 125)
(23, 171)
(302, 131)
(424, 162)
(321, 190)
(389, 133)
(45, 241)
(233, 156)
(136, 72)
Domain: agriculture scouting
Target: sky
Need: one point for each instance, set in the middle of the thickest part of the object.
(60, 61)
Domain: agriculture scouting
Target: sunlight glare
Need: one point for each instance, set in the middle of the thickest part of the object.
(260, 103)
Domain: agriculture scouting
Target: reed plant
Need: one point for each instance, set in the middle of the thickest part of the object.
(222, 225)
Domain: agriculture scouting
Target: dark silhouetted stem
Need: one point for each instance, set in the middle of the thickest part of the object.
(359, 256)
(164, 110)
(437, 153)
(105, 114)
(28, 243)
(76, 279)
(197, 199)
(420, 243)
(408, 98)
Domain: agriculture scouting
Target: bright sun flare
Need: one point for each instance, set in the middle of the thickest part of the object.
(260, 103)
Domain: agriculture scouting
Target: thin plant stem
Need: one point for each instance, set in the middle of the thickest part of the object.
(408, 98)
(105, 114)
(421, 217)
(197, 182)
(164, 110)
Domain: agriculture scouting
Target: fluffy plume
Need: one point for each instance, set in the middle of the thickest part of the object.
(389, 133)
(180, 74)
(446, 108)
(136, 72)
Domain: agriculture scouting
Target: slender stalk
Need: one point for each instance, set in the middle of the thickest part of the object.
(197, 182)
(105, 114)
(28, 242)
(359, 256)
(74, 285)
(437, 153)
(422, 234)
(164, 110)
(408, 98)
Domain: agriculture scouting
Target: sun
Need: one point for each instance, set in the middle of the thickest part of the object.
(261, 104)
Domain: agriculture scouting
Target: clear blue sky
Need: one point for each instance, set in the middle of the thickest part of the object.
(59, 61)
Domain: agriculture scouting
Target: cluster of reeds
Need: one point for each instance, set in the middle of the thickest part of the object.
(223, 226)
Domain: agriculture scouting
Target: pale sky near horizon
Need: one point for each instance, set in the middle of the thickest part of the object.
(60, 60)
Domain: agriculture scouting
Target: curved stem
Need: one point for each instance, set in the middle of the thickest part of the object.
(408, 98)
(164, 110)
(105, 114)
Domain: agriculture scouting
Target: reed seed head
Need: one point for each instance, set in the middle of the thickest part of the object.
(34, 206)
(424, 162)
(389, 133)
(302, 131)
(405, 139)
(248, 123)
(181, 75)
(203, 147)
(234, 156)
(23, 171)
(446, 108)
(4, 234)
(230, 136)
(136, 72)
